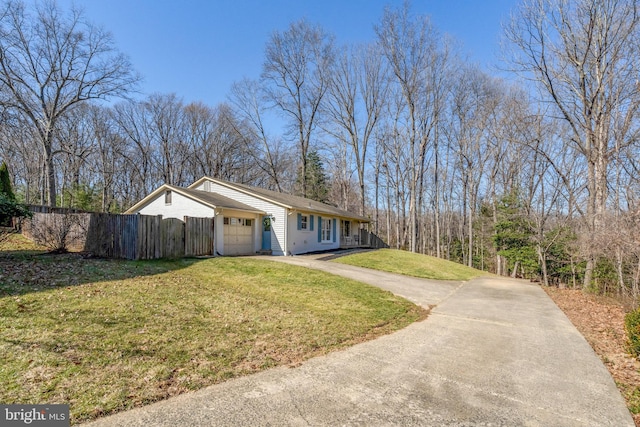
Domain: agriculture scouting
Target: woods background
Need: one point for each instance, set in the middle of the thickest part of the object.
(534, 176)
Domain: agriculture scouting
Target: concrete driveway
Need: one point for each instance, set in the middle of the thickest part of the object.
(493, 352)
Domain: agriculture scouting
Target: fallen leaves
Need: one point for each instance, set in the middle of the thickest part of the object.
(601, 321)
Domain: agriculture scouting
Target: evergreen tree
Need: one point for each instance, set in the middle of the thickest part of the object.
(5, 182)
(8, 205)
(317, 183)
(514, 236)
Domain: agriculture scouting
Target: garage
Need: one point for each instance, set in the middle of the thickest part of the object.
(238, 236)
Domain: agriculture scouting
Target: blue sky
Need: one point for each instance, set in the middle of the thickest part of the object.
(198, 48)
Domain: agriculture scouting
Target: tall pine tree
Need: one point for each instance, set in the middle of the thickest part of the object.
(513, 237)
(317, 183)
(9, 208)
(5, 182)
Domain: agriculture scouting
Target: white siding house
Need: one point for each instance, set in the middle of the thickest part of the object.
(276, 213)
(177, 206)
(250, 219)
(239, 223)
(311, 232)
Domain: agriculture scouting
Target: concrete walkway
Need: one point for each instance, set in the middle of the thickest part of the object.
(493, 352)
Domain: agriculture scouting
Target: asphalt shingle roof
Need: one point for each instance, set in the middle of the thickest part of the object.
(215, 199)
(294, 202)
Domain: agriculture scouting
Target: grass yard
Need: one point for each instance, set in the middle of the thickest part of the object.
(410, 264)
(107, 335)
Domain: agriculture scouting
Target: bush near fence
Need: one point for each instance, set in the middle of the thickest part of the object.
(120, 236)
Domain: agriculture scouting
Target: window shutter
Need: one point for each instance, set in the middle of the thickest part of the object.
(299, 221)
(334, 230)
(311, 223)
(319, 229)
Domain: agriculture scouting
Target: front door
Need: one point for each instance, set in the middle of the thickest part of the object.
(266, 233)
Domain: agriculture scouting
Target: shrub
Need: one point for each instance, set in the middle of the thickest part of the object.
(632, 325)
(5, 182)
(9, 209)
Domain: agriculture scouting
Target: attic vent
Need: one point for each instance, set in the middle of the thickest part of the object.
(167, 197)
(207, 186)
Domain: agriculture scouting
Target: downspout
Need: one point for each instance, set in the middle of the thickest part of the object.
(215, 231)
(216, 213)
(286, 228)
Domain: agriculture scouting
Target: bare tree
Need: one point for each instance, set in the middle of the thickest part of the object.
(137, 152)
(584, 55)
(295, 74)
(474, 108)
(18, 147)
(75, 147)
(418, 60)
(356, 96)
(109, 146)
(247, 97)
(165, 127)
(51, 61)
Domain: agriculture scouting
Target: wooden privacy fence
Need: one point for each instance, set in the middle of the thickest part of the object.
(372, 240)
(122, 236)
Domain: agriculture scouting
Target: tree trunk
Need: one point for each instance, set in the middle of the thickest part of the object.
(470, 231)
(619, 270)
(514, 273)
(413, 213)
(588, 274)
(50, 175)
(437, 199)
(542, 257)
(636, 280)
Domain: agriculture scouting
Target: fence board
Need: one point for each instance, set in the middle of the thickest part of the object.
(172, 238)
(198, 236)
(121, 236)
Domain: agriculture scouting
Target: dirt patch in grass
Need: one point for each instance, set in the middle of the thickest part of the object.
(601, 321)
(107, 335)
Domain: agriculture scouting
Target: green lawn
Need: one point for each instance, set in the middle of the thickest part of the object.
(411, 264)
(106, 335)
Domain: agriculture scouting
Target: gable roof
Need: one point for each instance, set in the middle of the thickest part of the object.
(212, 200)
(285, 200)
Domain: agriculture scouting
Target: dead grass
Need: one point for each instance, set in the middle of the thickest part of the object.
(106, 335)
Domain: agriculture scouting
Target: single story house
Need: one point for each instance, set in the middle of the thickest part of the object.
(249, 220)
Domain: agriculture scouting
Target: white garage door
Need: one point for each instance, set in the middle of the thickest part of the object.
(238, 236)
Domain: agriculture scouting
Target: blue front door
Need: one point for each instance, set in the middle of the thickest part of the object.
(266, 233)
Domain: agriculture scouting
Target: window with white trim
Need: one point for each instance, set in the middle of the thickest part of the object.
(326, 230)
(304, 221)
(238, 221)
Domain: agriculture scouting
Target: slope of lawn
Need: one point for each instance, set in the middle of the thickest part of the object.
(411, 264)
(107, 335)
